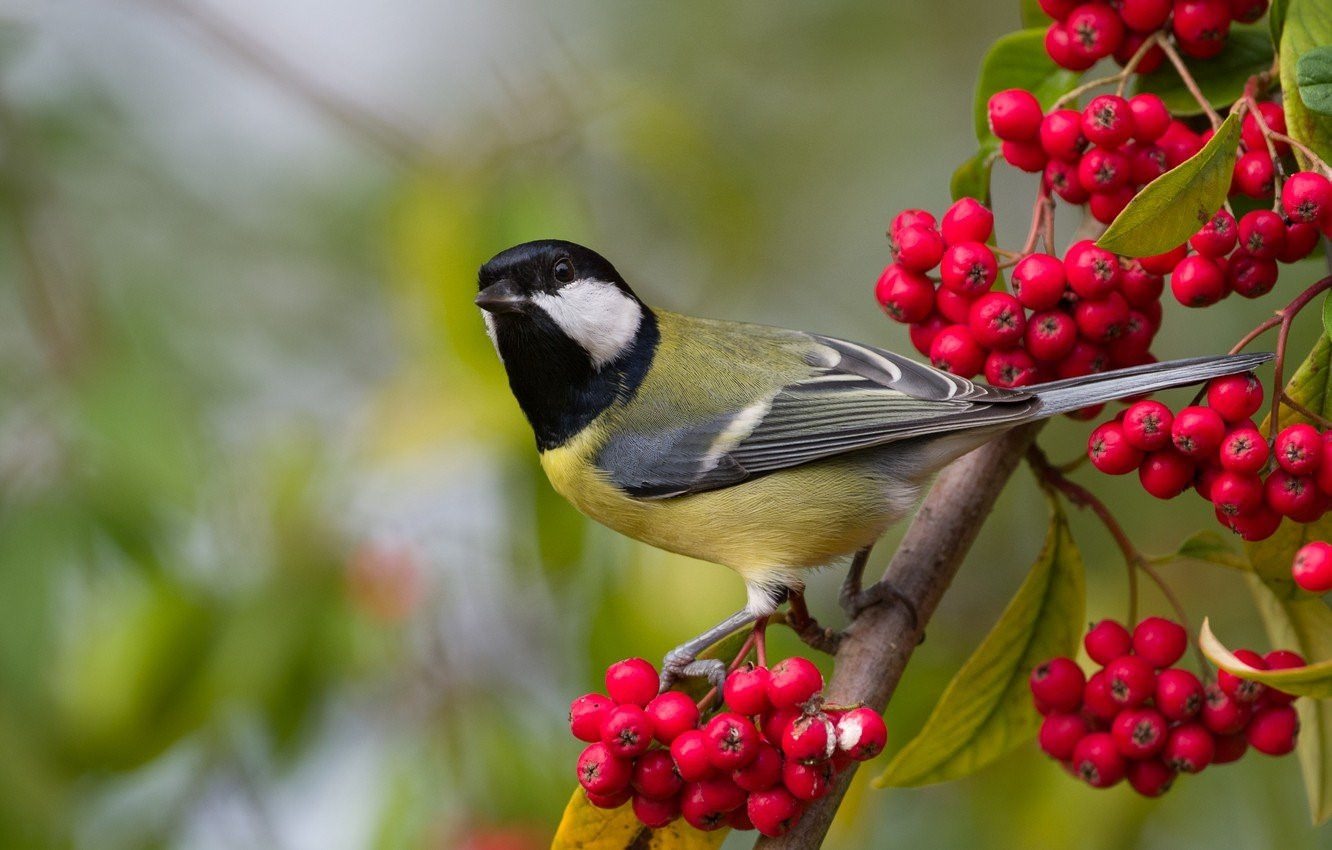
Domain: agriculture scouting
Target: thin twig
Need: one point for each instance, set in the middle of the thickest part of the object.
(1190, 83)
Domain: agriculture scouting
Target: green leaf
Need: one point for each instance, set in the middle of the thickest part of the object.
(585, 827)
(1018, 61)
(1209, 547)
(985, 712)
(1172, 207)
(1271, 557)
(1308, 27)
(1305, 625)
(1276, 18)
(1032, 14)
(972, 178)
(1313, 680)
(1221, 79)
(1327, 315)
(1313, 72)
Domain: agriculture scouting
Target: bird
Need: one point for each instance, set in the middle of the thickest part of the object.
(769, 451)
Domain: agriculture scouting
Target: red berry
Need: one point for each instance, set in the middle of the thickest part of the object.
(1160, 641)
(1107, 121)
(1250, 277)
(1106, 206)
(1179, 694)
(1146, 163)
(1011, 368)
(922, 333)
(1150, 777)
(1057, 9)
(632, 681)
(1198, 282)
(1312, 566)
(1246, 12)
(1102, 320)
(861, 733)
(793, 681)
(1133, 344)
(955, 350)
(656, 814)
(1179, 143)
(1243, 449)
(807, 781)
(1166, 474)
(1223, 715)
(732, 740)
(1061, 135)
(1050, 336)
(1229, 748)
(586, 715)
(1254, 174)
(1273, 730)
(1201, 26)
(1290, 495)
(1024, 156)
(654, 775)
(1299, 449)
(1095, 30)
(1147, 426)
(1238, 688)
(1306, 196)
(626, 731)
(1164, 263)
(1014, 115)
(810, 738)
(601, 772)
(1097, 701)
(1106, 641)
(1235, 397)
(953, 307)
(1092, 272)
(1131, 679)
(907, 218)
(1151, 118)
(968, 220)
(672, 714)
(1059, 44)
(1141, 288)
(1062, 178)
(1189, 748)
(1038, 281)
(1259, 525)
(917, 248)
(968, 268)
(763, 772)
(1102, 170)
(997, 320)
(1281, 659)
(1262, 234)
(1084, 358)
(1058, 683)
(1096, 760)
(1197, 432)
(1060, 733)
(1217, 237)
(774, 722)
(746, 690)
(1237, 493)
(609, 801)
(690, 752)
(1139, 733)
(1110, 451)
(773, 811)
(705, 804)
(1301, 237)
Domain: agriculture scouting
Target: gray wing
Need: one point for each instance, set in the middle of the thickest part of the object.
(855, 397)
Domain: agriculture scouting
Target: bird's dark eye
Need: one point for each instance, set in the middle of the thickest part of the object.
(563, 270)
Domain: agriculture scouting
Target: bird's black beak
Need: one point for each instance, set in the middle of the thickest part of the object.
(502, 296)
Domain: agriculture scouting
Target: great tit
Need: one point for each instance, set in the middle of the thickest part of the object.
(769, 451)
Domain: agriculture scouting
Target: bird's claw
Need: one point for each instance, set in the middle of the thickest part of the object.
(875, 594)
(681, 665)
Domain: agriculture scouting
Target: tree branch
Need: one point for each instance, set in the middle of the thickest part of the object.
(877, 644)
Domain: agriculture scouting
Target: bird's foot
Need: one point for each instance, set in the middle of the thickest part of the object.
(877, 594)
(681, 664)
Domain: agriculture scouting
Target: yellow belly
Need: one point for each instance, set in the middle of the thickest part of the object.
(801, 517)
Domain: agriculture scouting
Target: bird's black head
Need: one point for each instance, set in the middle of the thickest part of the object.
(572, 334)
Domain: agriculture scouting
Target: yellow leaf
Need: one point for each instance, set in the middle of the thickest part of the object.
(585, 827)
(1313, 680)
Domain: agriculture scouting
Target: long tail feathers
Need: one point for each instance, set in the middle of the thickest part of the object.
(1075, 393)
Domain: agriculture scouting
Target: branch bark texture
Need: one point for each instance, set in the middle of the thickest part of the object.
(879, 642)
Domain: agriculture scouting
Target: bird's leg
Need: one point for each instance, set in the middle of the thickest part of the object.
(683, 661)
(854, 598)
(808, 629)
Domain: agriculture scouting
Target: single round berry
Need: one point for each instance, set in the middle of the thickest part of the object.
(746, 690)
(1131, 679)
(1106, 206)
(1259, 525)
(1133, 344)
(602, 772)
(968, 268)
(1160, 641)
(1198, 282)
(907, 218)
(1084, 358)
(1102, 170)
(953, 306)
(1102, 320)
(1166, 474)
(1092, 272)
(1038, 281)
(773, 811)
(609, 801)
(955, 350)
(1141, 288)
(968, 220)
(705, 804)
(1179, 694)
(1058, 683)
(626, 731)
(997, 320)
(656, 814)
(632, 681)
(1273, 116)
(1217, 237)
(807, 781)
(1097, 761)
(1273, 730)
(1255, 174)
(1301, 237)
(672, 714)
(1179, 143)
(1061, 48)
(1014, 115)
(1147, 424)
(1139, 733)
(1011, 368)
(917, 248)
(1095, 30)
(654, 775)
(1237, 493)
(1146, 162)
(1223, 715)
(763, 772)
(1051, 335)
(1291, 495)
(793, 681)
(1229, 748)
(732, 740)
(1189, 748)
(1250, 277)
(1262, 234)
(1107, 121)
(1061, 135)
(1110, 451)
(1062, 178)
(1151, 118)
(810, 738)
(1150, 777)
(1024, 156)
(1235, 397)
(1298, 449)
(1201, 26)
(1097, 701)
(1281, 659)
(1106, 641)
(1197, 432)
(1239, 688)
(773, 723)
(1164, 263)
(1306, 196)
(1244, 449)
(922, 333)
(1060, 733)
(861, 733)
(586, 715)
(691, 753)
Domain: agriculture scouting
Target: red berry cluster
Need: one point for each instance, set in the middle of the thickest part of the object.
(1312, 567)
(754, 765)
(1140, 718)
(1084, 33)
(1217, 450)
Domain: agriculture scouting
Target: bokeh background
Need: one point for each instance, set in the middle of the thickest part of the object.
(278, 568)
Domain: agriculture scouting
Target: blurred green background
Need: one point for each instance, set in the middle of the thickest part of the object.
(278, 568)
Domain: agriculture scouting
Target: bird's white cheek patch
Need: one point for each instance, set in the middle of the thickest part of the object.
(595, 314)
